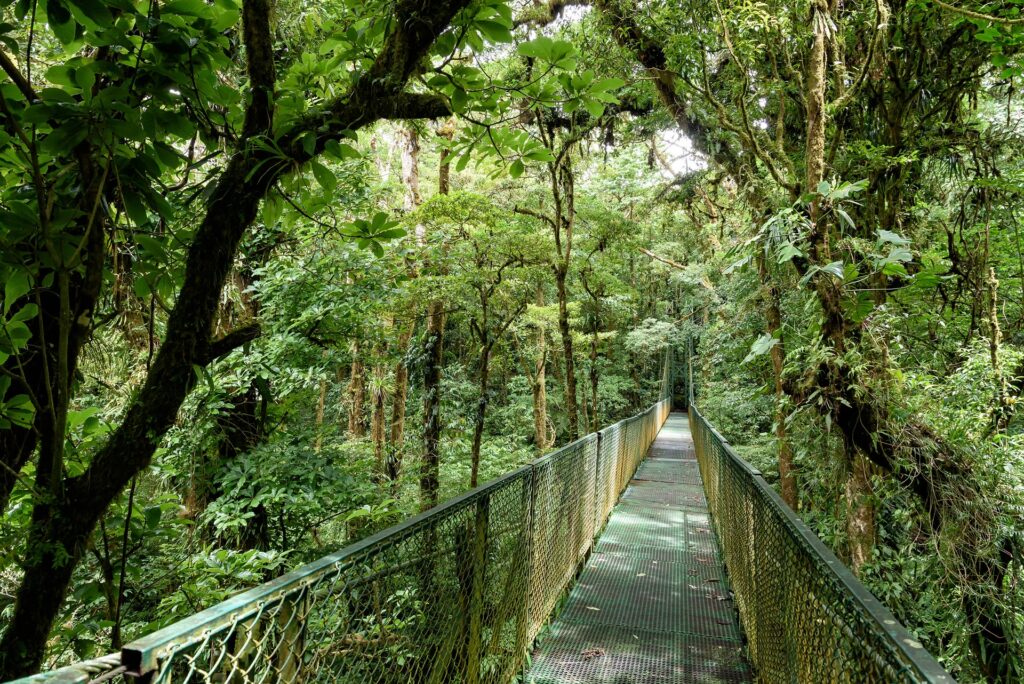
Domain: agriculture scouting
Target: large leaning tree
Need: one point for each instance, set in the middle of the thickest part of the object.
(102, 102)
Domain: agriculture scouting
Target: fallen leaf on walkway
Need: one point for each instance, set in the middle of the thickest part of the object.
(592, 653)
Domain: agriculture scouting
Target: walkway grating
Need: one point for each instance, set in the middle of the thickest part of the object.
(653, 602)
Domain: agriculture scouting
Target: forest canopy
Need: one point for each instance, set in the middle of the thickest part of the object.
(277, 274)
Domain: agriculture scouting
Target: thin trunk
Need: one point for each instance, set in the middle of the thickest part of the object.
(401, 394)
(434, 344)
(481, 413)
(320, 406)
(595, 418)
(541, 439)
(585, 410)
(571, 410)
(539, 387)
(773, 320)
(411, 168)
(356, 394)
(411, 179)
(1004, 405)
(321, 400)
(377, 421)
(816, 119)
(860, 515)
(447, 132)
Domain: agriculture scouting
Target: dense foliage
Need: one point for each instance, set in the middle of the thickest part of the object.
(279, 274)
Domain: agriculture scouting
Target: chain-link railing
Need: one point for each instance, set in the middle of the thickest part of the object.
(806, 617)
(456, 594)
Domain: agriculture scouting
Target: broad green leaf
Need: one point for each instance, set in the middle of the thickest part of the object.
(846, 218)
(789, 251)
(391, 234)
(761, 346)
(380, 220)
(94, 11)
(892, 238)
(607, 84)
(135, 209)
(495, 31)
(538, 48)
(324, 176)
(57, 12)
(25, 313)
(16, 287)
(85, 78)
(17, 335)
(835, 268)
(594, 108)
(340, 151)
(894, 269)
(191, 8)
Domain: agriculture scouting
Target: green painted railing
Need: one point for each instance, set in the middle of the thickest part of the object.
(456, 594)
(806, 617)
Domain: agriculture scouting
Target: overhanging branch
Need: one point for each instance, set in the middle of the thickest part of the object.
(233, 340)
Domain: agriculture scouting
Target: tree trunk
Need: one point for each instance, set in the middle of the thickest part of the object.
(595, 419)
(540, 410)
(321, 405)
(411, 179)
(938, 473)
(481, 413)
(377, 422)
(396, 453)
(539, 387)
(356, 394)
(773, 321)
(860, 513)
(434, 343)
(571, 409)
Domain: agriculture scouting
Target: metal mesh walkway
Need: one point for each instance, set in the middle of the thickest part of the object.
(652, 604)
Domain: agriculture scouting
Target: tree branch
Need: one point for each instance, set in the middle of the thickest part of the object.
(535, 214)
(227, 344)
(11, 69)
(652, 57)
(542, 15)
(664, 260)
(978, 15)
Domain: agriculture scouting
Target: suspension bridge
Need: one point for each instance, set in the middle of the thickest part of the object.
(647, 552)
